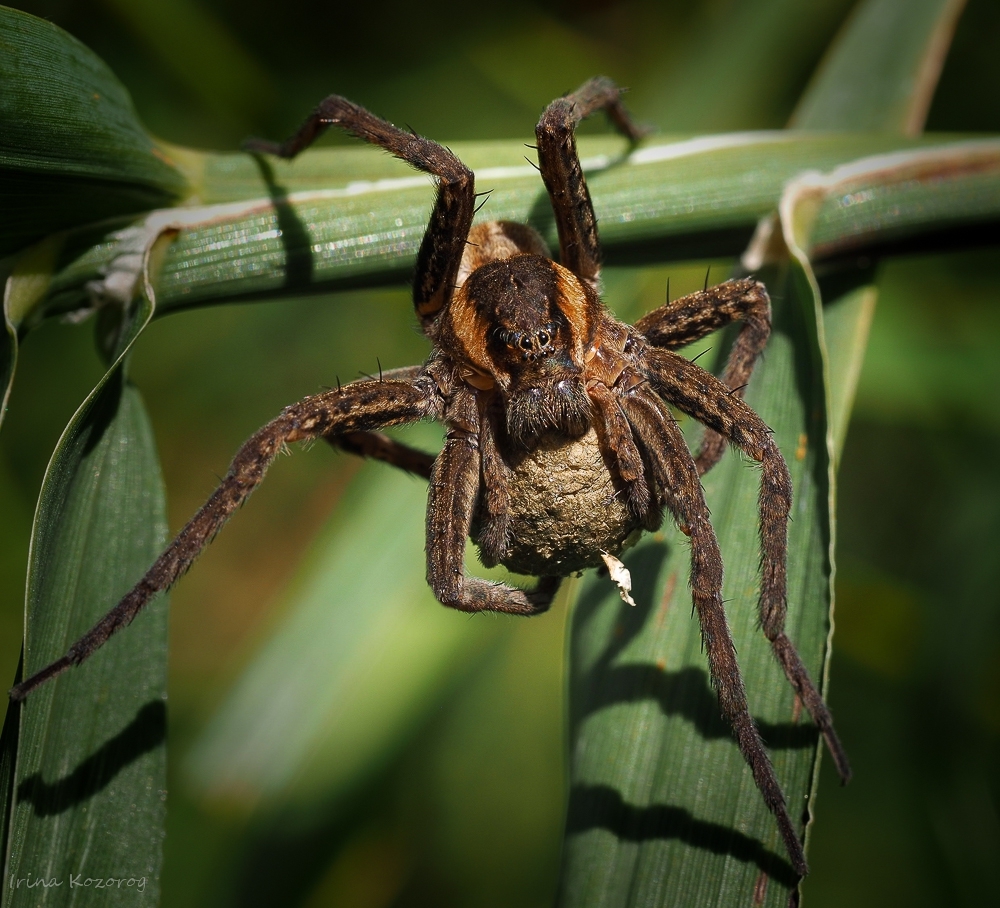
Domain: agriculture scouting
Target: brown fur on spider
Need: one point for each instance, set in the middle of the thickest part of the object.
(553, 409)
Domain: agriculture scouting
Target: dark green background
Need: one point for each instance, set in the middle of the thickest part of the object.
(916, 668)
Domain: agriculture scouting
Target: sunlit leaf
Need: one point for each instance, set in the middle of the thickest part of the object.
(666, 201)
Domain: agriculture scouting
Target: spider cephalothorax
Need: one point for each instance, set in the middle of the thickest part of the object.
(523, 323)
(560, 445)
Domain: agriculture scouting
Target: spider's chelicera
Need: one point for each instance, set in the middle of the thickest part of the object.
(553, 408)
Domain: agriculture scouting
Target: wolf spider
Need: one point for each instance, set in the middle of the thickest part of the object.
(530, 372)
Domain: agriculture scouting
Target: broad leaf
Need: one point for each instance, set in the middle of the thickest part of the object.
(87, 797)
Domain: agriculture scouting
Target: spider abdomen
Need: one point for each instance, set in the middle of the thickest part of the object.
(564, 510)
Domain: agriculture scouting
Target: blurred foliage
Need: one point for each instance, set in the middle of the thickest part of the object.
(917, 656)
(469, 811)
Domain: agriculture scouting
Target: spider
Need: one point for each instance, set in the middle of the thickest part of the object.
(553, 409)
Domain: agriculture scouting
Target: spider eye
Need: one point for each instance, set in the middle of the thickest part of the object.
(525, 343)
(543, 338)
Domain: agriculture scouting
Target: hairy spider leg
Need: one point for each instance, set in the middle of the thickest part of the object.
(378, 446)
(559, 163)
(690, 318)
(360, 406)
(622, 454)
(700, 394)
(674, 468)
(451, 502)
(496, 477)
(444, 239)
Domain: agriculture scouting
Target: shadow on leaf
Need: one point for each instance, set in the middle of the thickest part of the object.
(686, 692)
(601, 807)
(147, 731)
(294, 234)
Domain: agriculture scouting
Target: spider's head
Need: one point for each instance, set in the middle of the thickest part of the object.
(525, 322)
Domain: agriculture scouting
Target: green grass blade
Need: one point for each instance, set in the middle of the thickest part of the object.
(875, 203)
(667, 201)
(72, 149)
(89, 786)
(881, 71)
(880, 74)
(879, 202)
